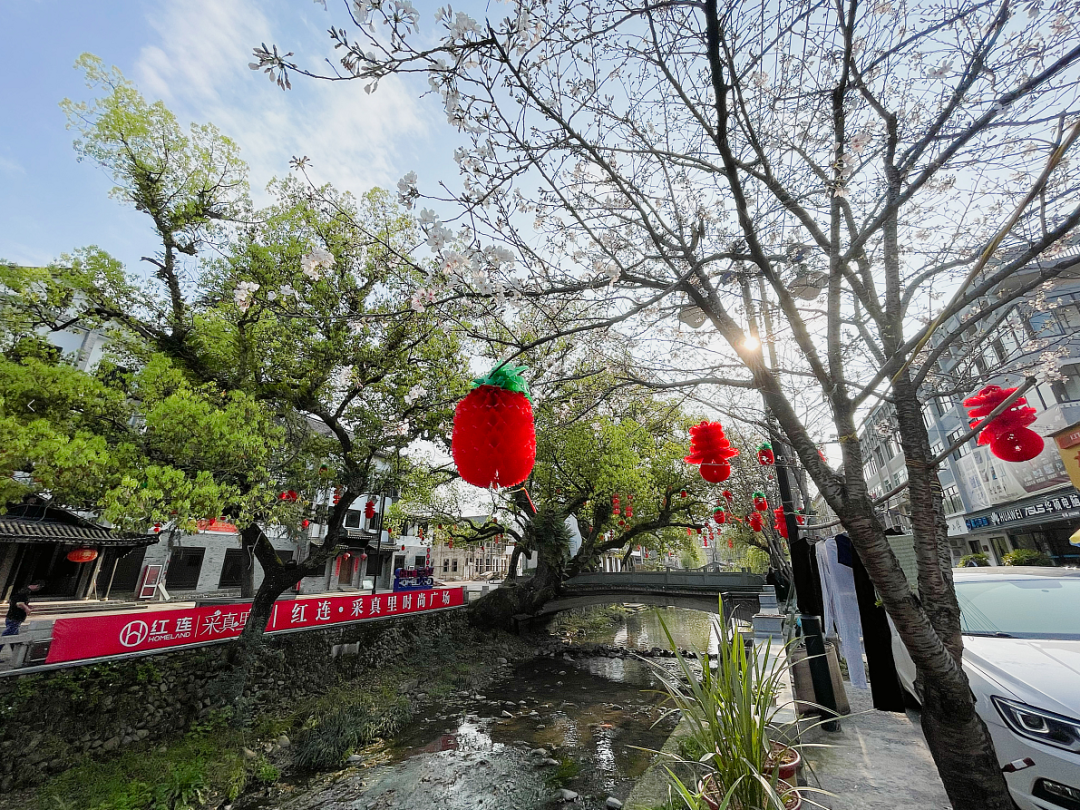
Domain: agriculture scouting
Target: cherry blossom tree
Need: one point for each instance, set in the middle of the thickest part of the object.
(860, 173)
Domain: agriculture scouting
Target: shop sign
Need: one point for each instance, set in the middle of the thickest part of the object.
(1060, 506)
(98, 636)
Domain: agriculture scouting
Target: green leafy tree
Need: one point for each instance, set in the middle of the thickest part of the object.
(294, 356)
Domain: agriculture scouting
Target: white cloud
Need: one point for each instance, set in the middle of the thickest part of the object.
(11, 166)
(199, 68)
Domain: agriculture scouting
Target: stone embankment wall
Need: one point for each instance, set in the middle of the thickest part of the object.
(49, 721)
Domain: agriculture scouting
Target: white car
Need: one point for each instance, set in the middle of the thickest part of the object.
(1021, 629)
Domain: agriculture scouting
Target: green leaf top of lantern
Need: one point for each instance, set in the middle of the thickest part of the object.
(507, 377)
(758, 494)
(764, 446)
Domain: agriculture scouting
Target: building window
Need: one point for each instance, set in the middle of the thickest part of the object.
(232, 569)
(352, 519)
(950, 495)
(963, 449)
(184, 567)
(1043, 324)
(871, 467)
(936, 449)
(1068, 389)
(453, 565)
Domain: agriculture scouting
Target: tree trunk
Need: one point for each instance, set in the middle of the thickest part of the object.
(247, 564)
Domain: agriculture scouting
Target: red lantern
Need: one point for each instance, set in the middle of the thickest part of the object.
(720, 515)
(727, 495)
(450, 544)
(706, 543)
(759, 501)
(730, 543)
(715, 471)
(682, 494)
(288, 495)
(305, 523)
(780, 523)
(494, 439)
(800, 518)
(755, 521)
(369, 510)
(689, 532)
(363, 556)
(157, 527)
(629, 511)
(1008, 434)
(82, 555)
(765, 454)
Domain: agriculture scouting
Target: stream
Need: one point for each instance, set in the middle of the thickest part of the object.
(573, 722)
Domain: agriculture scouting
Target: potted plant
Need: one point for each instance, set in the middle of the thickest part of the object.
(784, 759)
(729, 714)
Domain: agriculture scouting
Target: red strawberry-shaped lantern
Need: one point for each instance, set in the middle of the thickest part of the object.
(759, 501)
(710, 448)
(800, 518)
(765, 454)
(1008, 434)
(780, 523)
(728, 495)
(755, 521)
(720, 515)
(494, 441)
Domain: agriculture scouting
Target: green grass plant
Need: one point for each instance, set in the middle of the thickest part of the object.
(730, 714)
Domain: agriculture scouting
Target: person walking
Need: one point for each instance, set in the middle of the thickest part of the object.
(19, 609)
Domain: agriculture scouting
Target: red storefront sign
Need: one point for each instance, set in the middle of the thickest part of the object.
(97, 636)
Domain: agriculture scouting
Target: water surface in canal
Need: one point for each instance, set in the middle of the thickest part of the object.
(598, 716)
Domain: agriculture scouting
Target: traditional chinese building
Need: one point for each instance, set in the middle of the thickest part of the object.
(74, 557)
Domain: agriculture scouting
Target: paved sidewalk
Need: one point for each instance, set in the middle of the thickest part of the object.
(877, 761)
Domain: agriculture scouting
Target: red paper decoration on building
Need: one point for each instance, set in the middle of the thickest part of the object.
(1008, 434)
(765, 454)
(755, 521)
(710, 448)
(759, 501)
(494, 440)
(780, 523)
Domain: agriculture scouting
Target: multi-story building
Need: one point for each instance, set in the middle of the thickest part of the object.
(994, 506)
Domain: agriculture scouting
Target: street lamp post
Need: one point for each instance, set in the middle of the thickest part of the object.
(807, 590)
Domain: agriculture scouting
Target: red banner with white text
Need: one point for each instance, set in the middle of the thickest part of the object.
(97, 636)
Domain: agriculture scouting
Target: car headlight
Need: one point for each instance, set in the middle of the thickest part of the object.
(1041, 726)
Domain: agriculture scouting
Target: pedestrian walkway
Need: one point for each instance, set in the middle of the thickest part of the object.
(877, 761)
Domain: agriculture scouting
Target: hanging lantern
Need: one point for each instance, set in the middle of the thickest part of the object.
(288, 495)
(765, 454)
(305, 523)
(689, 532)
(730, 543)
(759, 501)
(710, 449)
(450, 544)
(728, 496)
(800, 518)
(494, 439)
(780, 523)
(157, 527)
(629, 511)
(622, 522)
(82, 555)
(1008, 434)
(720, 515)
(682, 494)
(755, 521)
(363, 556)
(706, 543)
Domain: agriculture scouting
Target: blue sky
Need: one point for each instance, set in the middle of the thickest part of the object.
(193, 54)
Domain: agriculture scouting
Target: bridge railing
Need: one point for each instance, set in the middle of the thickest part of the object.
(721, 581)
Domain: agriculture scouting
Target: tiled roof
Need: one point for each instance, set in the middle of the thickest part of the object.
(53, 525)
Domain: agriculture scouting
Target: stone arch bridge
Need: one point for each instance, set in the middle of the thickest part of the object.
(697, 590)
